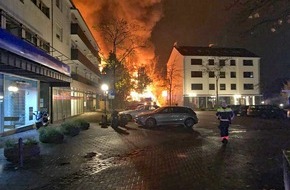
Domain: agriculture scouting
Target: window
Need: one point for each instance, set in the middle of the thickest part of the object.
(41, 6)
(13, 27)
(30, 37)
(248, 62)
(232, 62)
(222, 62)
(210, 62)
(196, 62)
(211, 87)
(196, 86)
(222, 86)
(211, 74)
(233, 75)
(59, 32)
(222, 74)
(248, 86)
(233, 87)
(58, 4)
(248, 75)
(44, 45)
(196, 74)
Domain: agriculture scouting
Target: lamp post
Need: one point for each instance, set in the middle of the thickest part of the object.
(105, 88)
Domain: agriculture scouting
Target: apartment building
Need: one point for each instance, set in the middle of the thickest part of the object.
(201, 75)
(49, 61)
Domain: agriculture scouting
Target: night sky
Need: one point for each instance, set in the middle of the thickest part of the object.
(196, 23)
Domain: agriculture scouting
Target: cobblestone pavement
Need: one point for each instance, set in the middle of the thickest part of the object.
(162, 158)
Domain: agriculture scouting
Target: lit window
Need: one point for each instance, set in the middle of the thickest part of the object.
(248, 75)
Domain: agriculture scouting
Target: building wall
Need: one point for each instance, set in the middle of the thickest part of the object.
(239, 80)
(61, 21)
(175, 71)
(206, 97)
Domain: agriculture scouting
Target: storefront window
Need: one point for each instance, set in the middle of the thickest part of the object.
(20, 97)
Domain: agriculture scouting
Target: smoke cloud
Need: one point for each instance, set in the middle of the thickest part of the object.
(144, 13)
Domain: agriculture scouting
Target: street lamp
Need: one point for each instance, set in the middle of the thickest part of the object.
(105, 88)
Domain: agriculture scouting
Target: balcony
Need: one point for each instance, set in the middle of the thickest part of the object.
(78, 56)
(79, 35)
(84, 80)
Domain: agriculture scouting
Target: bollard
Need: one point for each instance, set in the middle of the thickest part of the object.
(104, 121)
(20, 152)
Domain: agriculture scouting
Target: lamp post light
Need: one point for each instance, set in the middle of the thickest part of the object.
(105, 88)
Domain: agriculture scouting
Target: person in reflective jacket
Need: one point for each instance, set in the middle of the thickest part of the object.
(225, 115)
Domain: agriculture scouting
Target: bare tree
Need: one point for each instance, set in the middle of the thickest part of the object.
(215, 69)
(121, 39)
(173, 79)
(266, 14)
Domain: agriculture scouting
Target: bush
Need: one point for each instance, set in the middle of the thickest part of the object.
(50, 135)
(70, 128)
(30, 149)
(82, 124)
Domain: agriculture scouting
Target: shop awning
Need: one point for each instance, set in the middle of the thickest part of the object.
(21, 58)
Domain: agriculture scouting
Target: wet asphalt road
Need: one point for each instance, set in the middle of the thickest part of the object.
(167, 157)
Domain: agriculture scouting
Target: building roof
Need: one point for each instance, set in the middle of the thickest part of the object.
(214, 51)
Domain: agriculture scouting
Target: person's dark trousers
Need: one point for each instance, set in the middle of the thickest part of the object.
(224, 129)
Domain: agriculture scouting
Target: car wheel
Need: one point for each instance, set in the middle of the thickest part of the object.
(129, 117)
(150, 123)
(189, 122)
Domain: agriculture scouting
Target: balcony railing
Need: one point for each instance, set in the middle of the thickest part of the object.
(77, 55)
(76, 29)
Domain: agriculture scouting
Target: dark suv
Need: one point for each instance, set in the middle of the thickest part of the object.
(266, 111)
(168, 115)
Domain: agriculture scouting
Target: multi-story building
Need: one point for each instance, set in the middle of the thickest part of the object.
(201, 75)
(48, 61)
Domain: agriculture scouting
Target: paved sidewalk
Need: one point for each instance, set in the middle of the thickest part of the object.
(54, 159)
(151, 159)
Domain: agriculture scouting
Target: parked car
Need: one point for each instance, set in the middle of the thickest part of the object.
(168, 115)
(131, 114)
(266, 111)
(239, 110)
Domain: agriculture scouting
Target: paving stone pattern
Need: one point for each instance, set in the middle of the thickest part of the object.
(163, 158)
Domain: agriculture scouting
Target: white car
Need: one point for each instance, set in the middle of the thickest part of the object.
(131, 114)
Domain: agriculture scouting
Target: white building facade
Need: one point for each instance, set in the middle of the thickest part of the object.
(204, 73)
(49, 61)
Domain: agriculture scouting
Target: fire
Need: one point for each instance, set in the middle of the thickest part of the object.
(145, 14)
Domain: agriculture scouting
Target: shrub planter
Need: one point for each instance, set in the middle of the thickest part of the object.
(70, 128)
(82, 124)
(30, 150)
(50, 135)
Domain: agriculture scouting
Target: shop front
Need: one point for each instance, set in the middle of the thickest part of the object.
(27, 78)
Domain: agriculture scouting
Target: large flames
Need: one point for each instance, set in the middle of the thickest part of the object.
(145, 14)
